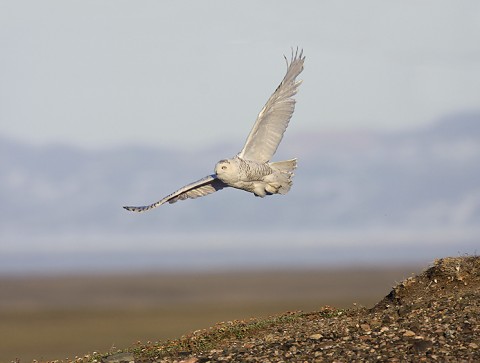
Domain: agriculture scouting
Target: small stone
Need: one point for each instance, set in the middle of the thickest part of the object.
(365, 327)
(119, 358)
(190, 360)
(473, 345)
(325, 345)
(449, 334)
(409, 333)
(316, 336)
(421, 346)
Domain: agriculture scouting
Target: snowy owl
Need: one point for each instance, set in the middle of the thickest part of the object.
(251, 169)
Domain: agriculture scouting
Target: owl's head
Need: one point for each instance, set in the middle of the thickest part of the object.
(227, 170)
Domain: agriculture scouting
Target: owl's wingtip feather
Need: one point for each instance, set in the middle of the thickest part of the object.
(132, 209)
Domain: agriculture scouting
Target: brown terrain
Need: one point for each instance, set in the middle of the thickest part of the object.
(49, 317)
(431, 316)
(434, 316)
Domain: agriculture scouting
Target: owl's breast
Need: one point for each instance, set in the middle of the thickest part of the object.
(250, 171)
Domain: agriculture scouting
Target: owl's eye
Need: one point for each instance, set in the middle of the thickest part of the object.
(224, 167)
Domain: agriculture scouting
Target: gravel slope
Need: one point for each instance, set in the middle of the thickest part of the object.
(432, 317)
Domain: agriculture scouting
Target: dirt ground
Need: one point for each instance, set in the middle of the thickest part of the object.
(431, 317)
(55, 317)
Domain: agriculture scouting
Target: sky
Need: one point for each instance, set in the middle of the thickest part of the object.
(188, 74)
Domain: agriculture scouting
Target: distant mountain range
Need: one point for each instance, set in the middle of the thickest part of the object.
(357, 196)
(424, 177)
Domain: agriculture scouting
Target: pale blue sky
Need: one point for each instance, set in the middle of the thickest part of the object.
(191, 73)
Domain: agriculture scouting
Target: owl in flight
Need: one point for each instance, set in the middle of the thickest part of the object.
(251, 169)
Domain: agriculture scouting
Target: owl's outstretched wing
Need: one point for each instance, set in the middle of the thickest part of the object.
(273, 119)
(200, 188)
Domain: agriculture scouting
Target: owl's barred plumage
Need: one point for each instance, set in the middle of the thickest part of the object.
(251, 169)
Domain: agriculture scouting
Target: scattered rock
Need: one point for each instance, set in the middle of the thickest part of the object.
(434, 316)
(189, 360)
(119, 358)
(365, 327)
(409, 333)
(421, 346)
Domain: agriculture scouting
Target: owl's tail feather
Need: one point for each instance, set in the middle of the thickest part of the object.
(281, 181)
(285, 166)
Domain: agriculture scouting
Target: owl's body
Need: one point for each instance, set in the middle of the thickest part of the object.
(260, 179)
(251, 169)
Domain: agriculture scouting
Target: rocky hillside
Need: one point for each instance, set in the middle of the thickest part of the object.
(432, 317)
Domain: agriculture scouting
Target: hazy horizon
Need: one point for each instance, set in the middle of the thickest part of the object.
(358, 198)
